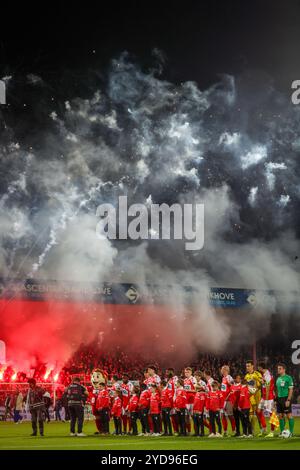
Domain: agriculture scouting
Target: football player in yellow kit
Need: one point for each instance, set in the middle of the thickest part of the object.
(254, 381)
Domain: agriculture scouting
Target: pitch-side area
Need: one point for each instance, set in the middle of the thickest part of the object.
(14, 436)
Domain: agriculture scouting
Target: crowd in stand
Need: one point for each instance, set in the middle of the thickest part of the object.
(117, 362)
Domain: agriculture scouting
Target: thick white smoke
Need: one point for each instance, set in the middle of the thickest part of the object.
(149, 139)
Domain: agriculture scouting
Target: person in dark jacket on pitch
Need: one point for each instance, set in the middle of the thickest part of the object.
(36, 407)
(77, 395)
(57, 410)
(64, 402)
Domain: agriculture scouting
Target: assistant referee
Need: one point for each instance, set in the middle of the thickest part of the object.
(284, 392)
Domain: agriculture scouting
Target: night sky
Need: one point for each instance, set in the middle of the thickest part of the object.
(219, 73)
(200, 39)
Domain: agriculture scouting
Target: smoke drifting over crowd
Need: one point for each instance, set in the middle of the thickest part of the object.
(234, 147)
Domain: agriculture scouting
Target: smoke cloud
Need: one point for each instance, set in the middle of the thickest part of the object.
(233, 147)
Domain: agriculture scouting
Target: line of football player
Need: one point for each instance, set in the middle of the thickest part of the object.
(170, 406)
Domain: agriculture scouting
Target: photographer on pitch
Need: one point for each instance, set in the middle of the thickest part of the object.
(36, 406)
(76, 396)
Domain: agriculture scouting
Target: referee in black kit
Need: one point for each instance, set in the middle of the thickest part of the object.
(76, 396)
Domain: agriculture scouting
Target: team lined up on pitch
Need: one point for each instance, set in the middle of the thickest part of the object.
(168, 406)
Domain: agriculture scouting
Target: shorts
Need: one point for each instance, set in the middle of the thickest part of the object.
(189, 409)
(255, 399)
(228, 408)
(125, 412)
(280, 405)
(254, 402)
(266, 405)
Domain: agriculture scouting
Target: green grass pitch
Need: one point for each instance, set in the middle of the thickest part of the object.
(14, 437)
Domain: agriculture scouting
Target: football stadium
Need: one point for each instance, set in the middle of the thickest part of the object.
(149, 229)
(138, 382)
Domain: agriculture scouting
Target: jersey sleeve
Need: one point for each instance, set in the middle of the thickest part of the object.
(258, 378)
(267, 377)
(290, 382)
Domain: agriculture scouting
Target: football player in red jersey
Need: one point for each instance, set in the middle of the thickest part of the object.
(166, 407)
(126, 389)
(244, 407)
(133, 409)
(209, 379)
(233, 397)
(213, 405)
(172, 381)
(198, 410)
(180, 402)
(116, 411)
(200, 378)
(155, 408)
(152, 377)
(144, 405)
(226, 409)
(190, 387)
(103, 407)
(266, 403)
(114, 385)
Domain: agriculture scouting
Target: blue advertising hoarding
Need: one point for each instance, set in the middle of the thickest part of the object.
(116, 293)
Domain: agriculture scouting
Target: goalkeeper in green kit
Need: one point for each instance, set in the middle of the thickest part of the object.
(284, 391)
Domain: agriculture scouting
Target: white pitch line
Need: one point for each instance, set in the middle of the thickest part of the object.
(139, 442)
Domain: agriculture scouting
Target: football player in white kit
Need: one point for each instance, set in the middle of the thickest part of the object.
(190, 387)
(152, 377)
(227, 382)
(266, 404)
